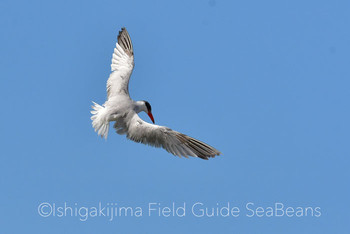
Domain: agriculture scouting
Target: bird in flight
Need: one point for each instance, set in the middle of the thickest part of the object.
(122, 110)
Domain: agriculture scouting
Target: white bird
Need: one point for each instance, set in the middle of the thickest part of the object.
(120, 108)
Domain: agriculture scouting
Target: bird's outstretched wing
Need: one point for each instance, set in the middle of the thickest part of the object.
(122, 66)
(172, 141)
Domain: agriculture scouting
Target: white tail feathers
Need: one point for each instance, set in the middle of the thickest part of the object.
(99, 120)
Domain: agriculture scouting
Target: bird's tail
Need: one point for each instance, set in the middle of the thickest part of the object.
(99, 120)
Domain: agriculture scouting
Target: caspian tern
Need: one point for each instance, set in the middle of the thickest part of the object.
(120, 108)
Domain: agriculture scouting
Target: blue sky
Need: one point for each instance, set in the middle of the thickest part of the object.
(265, 82)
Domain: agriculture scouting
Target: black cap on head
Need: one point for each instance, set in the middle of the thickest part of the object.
(149, 108)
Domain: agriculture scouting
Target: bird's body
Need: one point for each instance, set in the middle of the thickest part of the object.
(120, 108)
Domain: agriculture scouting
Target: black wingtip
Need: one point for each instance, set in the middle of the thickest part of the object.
(125, 42)
(121, 30)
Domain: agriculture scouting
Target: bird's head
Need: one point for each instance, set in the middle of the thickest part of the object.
(148, 109)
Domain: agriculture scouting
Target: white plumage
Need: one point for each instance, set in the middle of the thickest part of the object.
(120, 108)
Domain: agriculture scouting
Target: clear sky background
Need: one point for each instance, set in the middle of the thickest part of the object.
(265, 82)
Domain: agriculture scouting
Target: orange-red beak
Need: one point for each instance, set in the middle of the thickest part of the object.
(151, 116)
